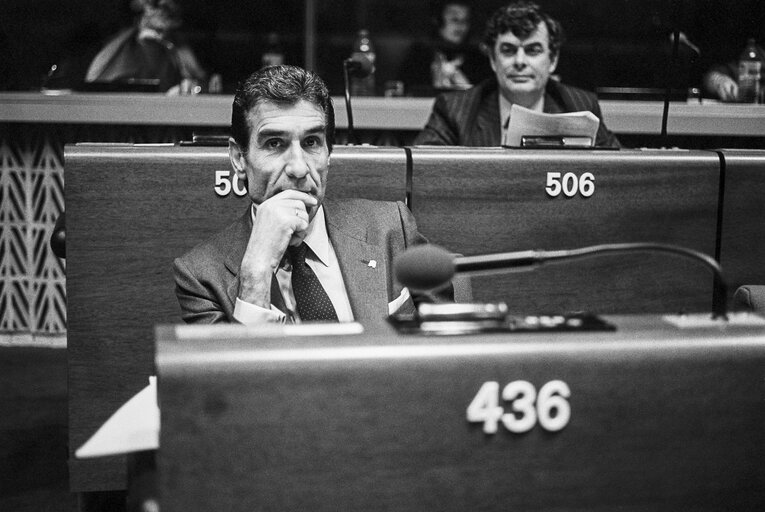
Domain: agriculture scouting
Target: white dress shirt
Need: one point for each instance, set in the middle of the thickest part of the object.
(323, 261)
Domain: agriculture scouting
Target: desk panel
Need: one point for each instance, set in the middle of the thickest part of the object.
(743, 235)
(659, 420)
(486, 201)
(130, 210)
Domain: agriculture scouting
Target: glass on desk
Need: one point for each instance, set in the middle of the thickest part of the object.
(694, 95)
(190, 86)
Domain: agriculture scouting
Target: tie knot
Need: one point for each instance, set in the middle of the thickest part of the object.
(297, 253)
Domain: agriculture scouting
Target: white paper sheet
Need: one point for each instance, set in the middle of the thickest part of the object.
(525, 122)
(133, 427)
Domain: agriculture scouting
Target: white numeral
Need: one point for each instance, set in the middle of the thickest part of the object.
(553, 184)
(549, 407)
(222, 183)
(570, 184)
(485, 407)
(522, 395)
(587, 184)
(552, 397)
(239, 190)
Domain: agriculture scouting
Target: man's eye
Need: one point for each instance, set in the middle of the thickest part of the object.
(312, 142)
(274, 143)
(534, 50)
(508, 50)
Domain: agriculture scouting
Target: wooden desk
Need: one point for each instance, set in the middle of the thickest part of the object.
(377, 113)
(486, 201)
(660, 419)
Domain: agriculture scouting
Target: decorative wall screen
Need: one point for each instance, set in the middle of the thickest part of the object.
(32, 278)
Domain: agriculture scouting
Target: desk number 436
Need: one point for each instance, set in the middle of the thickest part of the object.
(549, 407)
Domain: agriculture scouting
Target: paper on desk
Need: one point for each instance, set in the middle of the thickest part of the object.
(134, 427)
(701, 320)
(525, 122)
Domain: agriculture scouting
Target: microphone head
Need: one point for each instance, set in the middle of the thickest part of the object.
(424, 267)
(359, 66)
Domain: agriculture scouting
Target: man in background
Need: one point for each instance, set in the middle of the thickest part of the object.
(523, 44)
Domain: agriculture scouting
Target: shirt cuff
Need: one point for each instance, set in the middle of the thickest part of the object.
(251, 314)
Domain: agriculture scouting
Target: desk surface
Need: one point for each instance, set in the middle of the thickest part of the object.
(629, 117)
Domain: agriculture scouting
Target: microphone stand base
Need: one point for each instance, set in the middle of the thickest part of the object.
(442, 324)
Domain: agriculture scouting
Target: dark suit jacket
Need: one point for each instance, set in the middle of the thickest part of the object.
(471, 118)
(360, 230)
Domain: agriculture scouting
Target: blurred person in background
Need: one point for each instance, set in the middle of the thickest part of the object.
(721, 80)
(448, 60)
(150, 50)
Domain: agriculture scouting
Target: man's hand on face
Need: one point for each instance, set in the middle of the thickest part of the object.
(281, 220)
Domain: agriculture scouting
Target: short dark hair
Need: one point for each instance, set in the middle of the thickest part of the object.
(282, 85)
(521, 18)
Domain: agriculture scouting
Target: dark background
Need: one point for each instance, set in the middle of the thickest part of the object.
(610, 43)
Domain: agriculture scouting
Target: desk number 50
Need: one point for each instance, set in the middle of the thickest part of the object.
(552, 410)
(228, 181)
(570, 184)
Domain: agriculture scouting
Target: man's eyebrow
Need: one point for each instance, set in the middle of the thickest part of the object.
(524, 46)
(273, 132)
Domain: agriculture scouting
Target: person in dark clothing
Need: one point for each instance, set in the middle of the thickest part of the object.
(449, 61)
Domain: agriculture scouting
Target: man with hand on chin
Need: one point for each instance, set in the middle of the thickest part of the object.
(293, 256)
(523, 44)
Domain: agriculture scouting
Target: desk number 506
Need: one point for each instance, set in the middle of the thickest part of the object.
(550, 407)
(570, 184)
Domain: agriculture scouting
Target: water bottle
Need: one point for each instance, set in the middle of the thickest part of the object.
(274, 54)
(749, 71)
(363, 48)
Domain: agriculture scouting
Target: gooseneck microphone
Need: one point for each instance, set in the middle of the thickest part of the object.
(358, 66)
(427, 267)
(671, 69)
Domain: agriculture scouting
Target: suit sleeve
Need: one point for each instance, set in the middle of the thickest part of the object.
(440, 129)
(604, 138)
(198, 303)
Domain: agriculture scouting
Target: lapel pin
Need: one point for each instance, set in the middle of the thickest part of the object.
(372, 264)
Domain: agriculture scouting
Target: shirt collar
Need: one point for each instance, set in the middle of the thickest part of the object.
(317, 238)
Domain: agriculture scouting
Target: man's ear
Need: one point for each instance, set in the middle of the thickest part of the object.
(554, 63)
(238, 162)
(492, 62)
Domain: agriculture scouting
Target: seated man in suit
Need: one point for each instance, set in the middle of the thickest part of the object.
(523, 44)
(294, 256)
